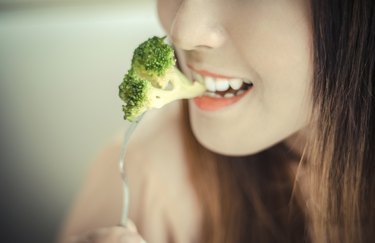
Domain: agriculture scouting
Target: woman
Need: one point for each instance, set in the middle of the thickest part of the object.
(280, 150)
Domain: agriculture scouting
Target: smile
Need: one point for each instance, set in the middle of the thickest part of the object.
(221, 91)
(223, 87)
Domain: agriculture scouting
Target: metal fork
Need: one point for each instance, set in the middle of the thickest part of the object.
(125, 185)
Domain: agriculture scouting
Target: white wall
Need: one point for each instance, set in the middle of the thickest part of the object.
(60, 67)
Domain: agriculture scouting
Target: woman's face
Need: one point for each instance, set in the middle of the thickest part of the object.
(255, 59)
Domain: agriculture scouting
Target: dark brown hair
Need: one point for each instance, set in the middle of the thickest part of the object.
(255, 198)
(247, 198)
(342, 151)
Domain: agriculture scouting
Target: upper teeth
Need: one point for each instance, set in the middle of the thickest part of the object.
(219, 84)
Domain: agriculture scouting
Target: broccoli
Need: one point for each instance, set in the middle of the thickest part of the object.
(154, 80)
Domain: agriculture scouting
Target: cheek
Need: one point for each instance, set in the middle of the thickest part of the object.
(166, 10)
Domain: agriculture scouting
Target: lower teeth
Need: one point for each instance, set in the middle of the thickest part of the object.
(226, 95)
(210, 94)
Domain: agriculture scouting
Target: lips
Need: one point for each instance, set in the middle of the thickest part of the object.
(222, 91)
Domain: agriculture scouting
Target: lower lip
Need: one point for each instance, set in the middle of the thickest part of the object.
(207, 103)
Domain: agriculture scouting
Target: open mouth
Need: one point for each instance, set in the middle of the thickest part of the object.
(221, 90)
(223, 87)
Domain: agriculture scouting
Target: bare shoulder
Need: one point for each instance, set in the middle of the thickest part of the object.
(98, 202)
(162, 203)
(158, 135)
(154, 145)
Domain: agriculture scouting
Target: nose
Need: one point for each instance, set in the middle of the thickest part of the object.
(196, 27)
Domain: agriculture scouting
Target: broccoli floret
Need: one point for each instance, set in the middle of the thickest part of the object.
(153, 80)
(153, 58)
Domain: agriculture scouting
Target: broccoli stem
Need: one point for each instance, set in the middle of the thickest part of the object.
(182, 88)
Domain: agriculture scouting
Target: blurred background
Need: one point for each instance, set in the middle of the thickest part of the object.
(60, 66)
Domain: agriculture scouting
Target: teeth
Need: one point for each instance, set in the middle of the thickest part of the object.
(228, 95)
(230, 87)
(221, 84)
(210, 94)
(210, 84)
(235, 84)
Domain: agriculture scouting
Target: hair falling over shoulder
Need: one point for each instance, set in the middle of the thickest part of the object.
(246, 199)
(256, 198)
(342, 161)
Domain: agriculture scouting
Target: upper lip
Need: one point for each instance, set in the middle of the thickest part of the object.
(204, 72)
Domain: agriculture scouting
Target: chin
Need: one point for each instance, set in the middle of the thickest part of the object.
(229, 147)
(211, 132)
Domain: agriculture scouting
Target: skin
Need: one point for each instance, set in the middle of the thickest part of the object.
(267, 42)
(163, 205)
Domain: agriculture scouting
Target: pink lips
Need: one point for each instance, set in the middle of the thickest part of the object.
(214, 103)
(207, 73)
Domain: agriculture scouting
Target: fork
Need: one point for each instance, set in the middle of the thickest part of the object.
(125, 185)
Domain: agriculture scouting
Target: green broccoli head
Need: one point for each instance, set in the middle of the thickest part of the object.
(153, 58)
(133, 91)
(153, 80)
